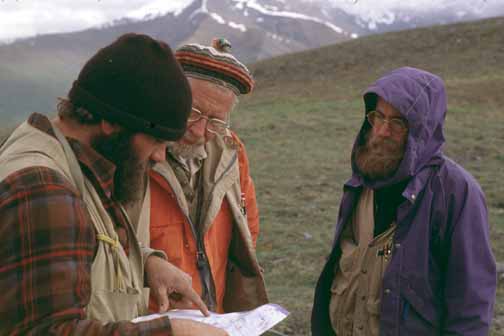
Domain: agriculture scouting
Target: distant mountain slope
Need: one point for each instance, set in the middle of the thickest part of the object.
(458, 50)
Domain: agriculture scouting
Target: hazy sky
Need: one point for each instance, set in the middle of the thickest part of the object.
(19, 18)
(30, 17)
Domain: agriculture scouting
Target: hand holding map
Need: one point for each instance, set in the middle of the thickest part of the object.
(250, 323)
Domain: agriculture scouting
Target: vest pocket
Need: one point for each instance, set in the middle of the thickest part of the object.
(339, 286)
(107, 306)
(340, 319)
(347, 261)
(373, 309)
(244, 290)
(341, 304)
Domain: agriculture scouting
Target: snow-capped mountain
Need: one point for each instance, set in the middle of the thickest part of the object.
(390, 15)
(263, 28)
(351, 18)
(260, 29)
(257, 29)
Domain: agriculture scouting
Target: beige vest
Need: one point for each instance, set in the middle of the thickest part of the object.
(245, 287)
(355, 293)
(116, 279)
(139, 214)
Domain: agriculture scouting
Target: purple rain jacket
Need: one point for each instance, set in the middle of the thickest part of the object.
(442, 277)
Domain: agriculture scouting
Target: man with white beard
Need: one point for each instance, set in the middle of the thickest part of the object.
(203, 205)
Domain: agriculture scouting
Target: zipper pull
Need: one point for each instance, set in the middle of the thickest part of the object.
(243, 205)
(201, 259)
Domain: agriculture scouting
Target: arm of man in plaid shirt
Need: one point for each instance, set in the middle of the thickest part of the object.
(47, 244)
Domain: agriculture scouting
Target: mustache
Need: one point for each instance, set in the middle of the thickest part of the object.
(384, 144)
(193, 141)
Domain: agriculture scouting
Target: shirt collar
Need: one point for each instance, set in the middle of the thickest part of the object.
(193, 164)
(96, 167)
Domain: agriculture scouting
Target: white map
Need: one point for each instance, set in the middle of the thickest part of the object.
(249, 323)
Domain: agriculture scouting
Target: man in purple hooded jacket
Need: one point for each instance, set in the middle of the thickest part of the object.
(411, 254)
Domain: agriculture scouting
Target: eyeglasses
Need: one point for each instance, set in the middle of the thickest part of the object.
(214, 125)
(376, 119)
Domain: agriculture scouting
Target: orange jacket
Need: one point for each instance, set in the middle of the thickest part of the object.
(170, 229)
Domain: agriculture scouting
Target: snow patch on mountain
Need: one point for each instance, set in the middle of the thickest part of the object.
(266, 10)
(278, 38)
(159, 8)
(231, 24)
(217, 18)
(369, 14)
(238, 26)
(202, 10)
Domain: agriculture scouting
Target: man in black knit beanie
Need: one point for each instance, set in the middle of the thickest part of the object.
(72, 264)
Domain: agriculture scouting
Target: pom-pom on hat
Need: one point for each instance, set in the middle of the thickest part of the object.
(215, 63)
(137, 83)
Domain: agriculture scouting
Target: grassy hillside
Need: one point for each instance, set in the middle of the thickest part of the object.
(300, 124)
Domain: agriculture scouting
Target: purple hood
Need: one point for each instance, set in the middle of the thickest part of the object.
(421, 98)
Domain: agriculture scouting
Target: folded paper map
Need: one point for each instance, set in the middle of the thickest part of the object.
(250, 323)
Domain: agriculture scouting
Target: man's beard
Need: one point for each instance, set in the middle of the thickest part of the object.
(131, 173)
(187, 152)
(379, 157)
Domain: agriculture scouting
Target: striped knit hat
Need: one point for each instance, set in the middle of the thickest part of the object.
(216, 64)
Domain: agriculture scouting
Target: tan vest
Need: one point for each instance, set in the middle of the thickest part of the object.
(355, 293)
(245, 287)
(116, 279)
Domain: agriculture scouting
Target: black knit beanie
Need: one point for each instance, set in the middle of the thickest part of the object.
(136, 82)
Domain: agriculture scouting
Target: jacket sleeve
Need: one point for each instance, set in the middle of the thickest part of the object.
(248, 192)
(471, 276)
(47, 248)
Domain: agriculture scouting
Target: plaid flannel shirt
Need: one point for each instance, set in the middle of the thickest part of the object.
(47, 245)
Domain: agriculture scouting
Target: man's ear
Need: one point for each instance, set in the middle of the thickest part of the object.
(108, 128)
